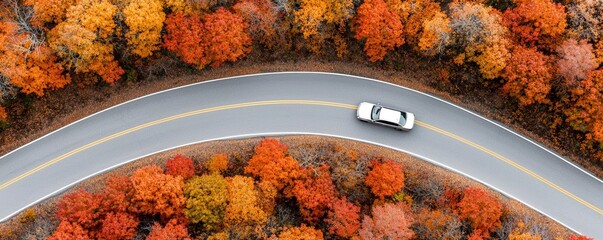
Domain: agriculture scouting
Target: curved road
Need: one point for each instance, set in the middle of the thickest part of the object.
(304, 103)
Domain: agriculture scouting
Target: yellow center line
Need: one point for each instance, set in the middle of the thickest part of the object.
(168, 119)
(512, 163)
(293, 102)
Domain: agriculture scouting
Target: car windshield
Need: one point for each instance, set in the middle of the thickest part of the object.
(403, 119)
(375, 112)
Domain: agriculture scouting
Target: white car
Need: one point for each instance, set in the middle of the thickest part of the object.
(386, 116)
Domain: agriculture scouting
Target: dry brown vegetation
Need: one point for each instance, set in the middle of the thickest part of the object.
(423, 179)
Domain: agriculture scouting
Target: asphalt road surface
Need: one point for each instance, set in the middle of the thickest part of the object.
(302, 103)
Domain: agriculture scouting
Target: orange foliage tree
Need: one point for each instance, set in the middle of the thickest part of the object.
(172, 231)
(576, 60)
(27, 61)
(379, 27)
(437, 224)
(270, 164)
(536, 22)
(50, 11)
(3, 114)
(118, 226)
(117, 195)
(389, 221)
(343, 218)
(184, 37)
(521, 232)
(81, 208)
(84, 40)
(436, 34)
(226, 37)
(414, 14)
(314, 194)
(481, 210)
(528, 76)
(300, 233)
(585, 113)
(144, 20)
(180, 166)
(479, 36)
(243, 213)
(69, 230)
(206, 199)
(156, 192)
(385, 178)
(217, 163)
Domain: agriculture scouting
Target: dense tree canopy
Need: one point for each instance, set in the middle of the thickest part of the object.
(482, 210)
(206, 199)
(156, 192)
(380, 28)
(528, 76)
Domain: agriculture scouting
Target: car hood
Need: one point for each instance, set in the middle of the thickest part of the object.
(410, 120)
(364, 110)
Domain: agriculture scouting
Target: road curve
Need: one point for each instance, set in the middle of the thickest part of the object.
(302, 103)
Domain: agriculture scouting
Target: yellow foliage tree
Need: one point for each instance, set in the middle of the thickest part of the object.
(319, 20)
(83, 40)
(206, 199)
(144, 19)
(243, 213)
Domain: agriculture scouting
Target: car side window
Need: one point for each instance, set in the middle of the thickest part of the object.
(387, 123)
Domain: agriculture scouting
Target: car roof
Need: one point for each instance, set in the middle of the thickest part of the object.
(390, 115)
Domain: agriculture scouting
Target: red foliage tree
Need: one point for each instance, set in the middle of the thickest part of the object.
(81, 208)
(314, 194)
(117, 195)
(379, 27)
(576, 60)
(69, 230)
(385, 178)
(157, 193)
(225, 37)
(260, 15)
(343, 218)
(171, 231)
(389, 221)
(536, 21)
(528, 75)
(481, 210)
(578, 237)
(184, 37)
(118, 226)
(180, 166)
(270, 164)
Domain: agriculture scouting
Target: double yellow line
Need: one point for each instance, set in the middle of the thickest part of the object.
(294, 102)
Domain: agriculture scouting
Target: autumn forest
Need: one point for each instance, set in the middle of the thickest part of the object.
(543, 56)
(316, 191)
